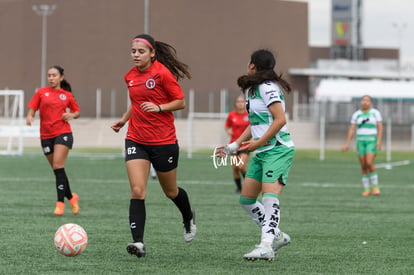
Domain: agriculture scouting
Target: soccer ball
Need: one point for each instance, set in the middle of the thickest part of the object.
(70, 239)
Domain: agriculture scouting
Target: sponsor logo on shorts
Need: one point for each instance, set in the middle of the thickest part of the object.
(46, 149)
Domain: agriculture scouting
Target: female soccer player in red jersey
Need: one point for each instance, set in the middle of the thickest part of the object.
(237, 121)
(55, 131)
(151, 138)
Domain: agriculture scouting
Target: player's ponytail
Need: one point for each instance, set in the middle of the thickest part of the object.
(265, 63)
(65, 85)
(167, 55)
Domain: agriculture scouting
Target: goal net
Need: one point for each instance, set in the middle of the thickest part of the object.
(11, 122)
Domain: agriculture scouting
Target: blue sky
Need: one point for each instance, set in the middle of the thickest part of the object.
(377, 25)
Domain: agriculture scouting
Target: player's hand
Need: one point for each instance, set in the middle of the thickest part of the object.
(149, 107)
(345, 148)
(379, 146)
(29, 120)
(231, 149)
(117, 125)
(229, 132)
(67, 116)
(250, 145)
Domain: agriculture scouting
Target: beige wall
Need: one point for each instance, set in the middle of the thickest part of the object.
(91, 40)
(206, 134)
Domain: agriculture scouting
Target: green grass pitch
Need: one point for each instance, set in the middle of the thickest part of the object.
(334, 229)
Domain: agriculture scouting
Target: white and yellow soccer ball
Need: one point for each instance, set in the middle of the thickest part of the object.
(70, 239)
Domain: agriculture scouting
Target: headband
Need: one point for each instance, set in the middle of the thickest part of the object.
(144, 41)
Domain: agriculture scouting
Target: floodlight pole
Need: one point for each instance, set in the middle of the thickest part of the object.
(44, 11)
(146, 16)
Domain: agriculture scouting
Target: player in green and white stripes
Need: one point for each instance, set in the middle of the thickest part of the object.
(268, 135)
(367, 122)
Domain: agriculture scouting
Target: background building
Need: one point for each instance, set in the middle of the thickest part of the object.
(91, 40)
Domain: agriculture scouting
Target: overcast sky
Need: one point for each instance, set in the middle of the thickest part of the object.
(377, 24)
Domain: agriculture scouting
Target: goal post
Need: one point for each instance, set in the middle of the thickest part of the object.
(206, 128)
(12, 129)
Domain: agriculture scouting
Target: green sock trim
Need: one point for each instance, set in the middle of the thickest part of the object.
(274, 195)
(244, 200)
(366, 176)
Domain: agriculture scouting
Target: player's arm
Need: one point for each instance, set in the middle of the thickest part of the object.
(175, 105)
(171, 106)
(279, 121)
(232, 147)
(349, 137)
(228, 126)
(229, 131)
(70, 115)
(246, 135)
(30, 116)
(380, 130)
(117, 125)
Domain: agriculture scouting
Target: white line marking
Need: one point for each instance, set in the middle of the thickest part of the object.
(207, 182)
(389, 165)
(339, 185)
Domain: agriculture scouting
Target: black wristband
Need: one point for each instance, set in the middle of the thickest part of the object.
(159, 109)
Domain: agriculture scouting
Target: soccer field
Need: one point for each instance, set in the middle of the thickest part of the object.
(334, 229)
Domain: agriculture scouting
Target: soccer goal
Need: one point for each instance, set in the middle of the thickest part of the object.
(11, 122)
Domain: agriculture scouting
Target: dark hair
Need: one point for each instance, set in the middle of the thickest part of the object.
(265, 63)
(370, 97)
(167, 55)
(63, 84)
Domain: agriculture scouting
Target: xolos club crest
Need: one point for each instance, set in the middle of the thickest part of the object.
(150, 83)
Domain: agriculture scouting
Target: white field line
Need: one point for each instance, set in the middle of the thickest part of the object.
(339, 185)
(206, 182)
(389, 165)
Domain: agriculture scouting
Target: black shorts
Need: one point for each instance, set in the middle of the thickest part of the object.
(49, 144)
(164, 158)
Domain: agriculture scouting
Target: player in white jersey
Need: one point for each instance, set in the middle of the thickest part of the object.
(368, 125)
(269, 168)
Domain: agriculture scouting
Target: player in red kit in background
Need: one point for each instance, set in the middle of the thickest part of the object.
(55, 131)
(151, 138)
(237, 121)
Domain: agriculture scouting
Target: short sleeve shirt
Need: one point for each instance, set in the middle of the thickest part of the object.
(366, 124)
(157, 85)
(52, 104)
(260, 117)
(238, 123)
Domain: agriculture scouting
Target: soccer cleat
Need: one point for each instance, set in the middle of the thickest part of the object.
(375, 191)
(137, 249)
(59, 209)
(74, 203)
(260, 253)
(281, 242)
(366, 193)
(190, 229)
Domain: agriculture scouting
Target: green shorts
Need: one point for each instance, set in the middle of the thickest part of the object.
(272, 165)
(366, 147)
